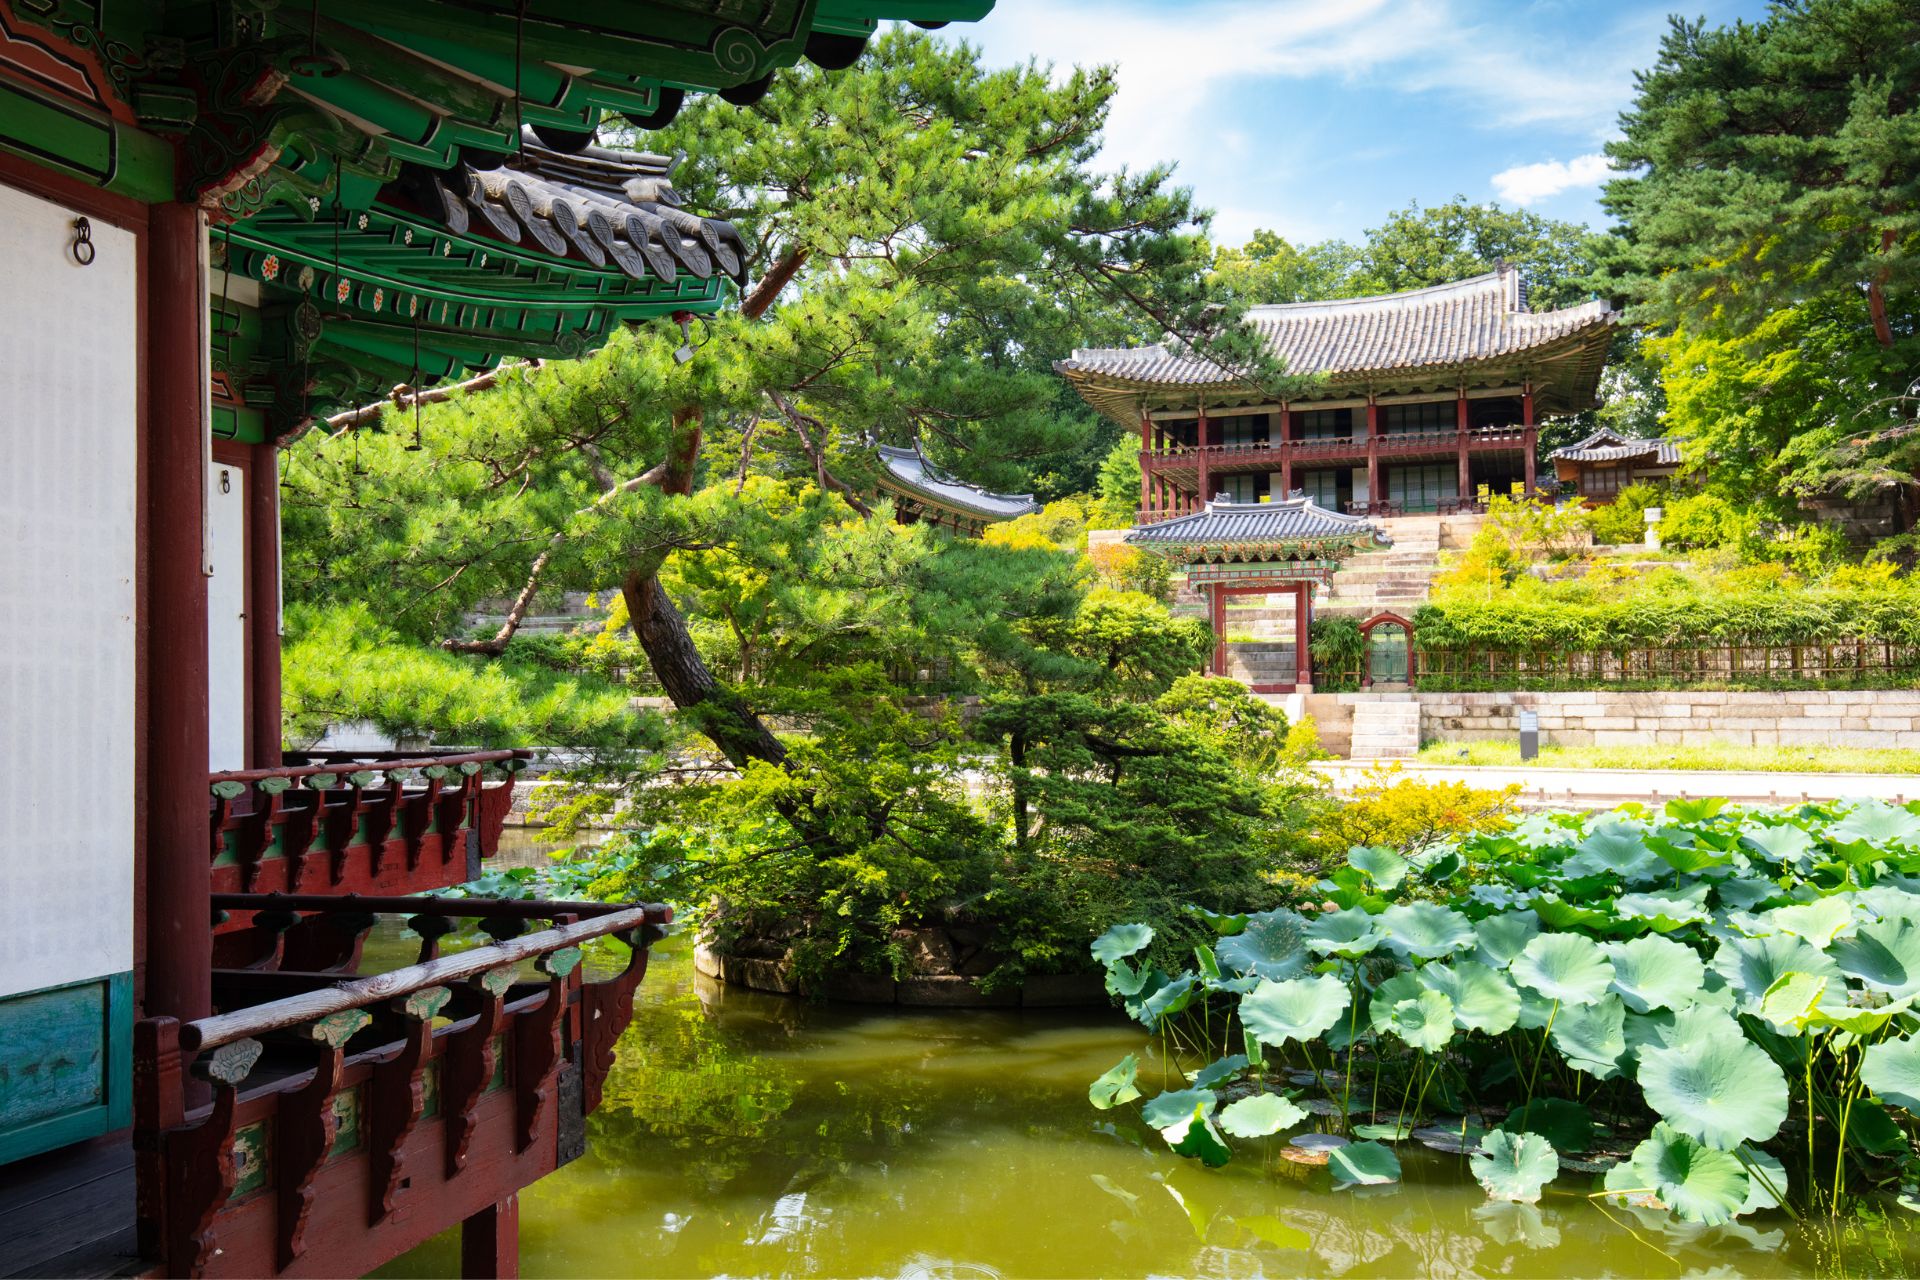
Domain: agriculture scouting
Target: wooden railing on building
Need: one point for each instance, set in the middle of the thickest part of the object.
(322, 1122)
(341, 821)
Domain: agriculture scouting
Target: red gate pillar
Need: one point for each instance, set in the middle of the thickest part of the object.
(1531, 438)
(1217, 611)
(490, 1242)
(1373, 455)
(175, 747)
(1466, 471)
(1303, 636)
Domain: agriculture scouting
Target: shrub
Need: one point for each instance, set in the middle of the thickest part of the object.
(1391, 810)
(1338, 650)
(1706, 520)
(1623, 520)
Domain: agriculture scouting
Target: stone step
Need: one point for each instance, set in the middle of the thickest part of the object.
(1385, 728)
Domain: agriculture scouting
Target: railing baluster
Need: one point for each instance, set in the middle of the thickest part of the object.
(536, 1044)
(467, 1065)
(396, 1094)
(304, 1130)
(431, 929)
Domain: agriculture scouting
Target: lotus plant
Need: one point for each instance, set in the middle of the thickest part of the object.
(1736, 991)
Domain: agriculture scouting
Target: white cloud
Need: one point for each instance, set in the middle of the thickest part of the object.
(1531, 183)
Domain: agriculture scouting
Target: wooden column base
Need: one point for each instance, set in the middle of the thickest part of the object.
(490, 1242)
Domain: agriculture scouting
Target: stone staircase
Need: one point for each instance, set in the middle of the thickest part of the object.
(1394, 579)
(1385, 727)
(1261, 662)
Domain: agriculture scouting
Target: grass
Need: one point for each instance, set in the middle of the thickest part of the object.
(1705, 755)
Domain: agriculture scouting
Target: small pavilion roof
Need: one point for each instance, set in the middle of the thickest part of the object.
(1607, 445)
(909, 472)
(1296, 524)
(1440, 330)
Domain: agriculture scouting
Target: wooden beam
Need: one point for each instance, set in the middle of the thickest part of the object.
(490, 1242)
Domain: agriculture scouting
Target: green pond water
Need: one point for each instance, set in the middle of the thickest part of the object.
(750, 1135)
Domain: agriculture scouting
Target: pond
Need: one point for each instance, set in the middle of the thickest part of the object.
(750, 1135)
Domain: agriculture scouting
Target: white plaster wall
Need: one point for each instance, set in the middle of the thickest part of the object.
(227, 618)
(68, 406)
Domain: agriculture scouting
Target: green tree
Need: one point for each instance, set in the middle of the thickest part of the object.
(1420, 246)
(1268, 269)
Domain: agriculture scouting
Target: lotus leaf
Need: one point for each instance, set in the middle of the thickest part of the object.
(1892, 1070)
(1426, 929)
(1565, 967)
(1740, 893)
(1125, 980)
(1720, 1090)
(1260, 1115)
(1785, 843)
(1655, 973)
(1301, 1009)
(1383, 866)
(1666, 909)
(1164, 1001)
(1196, 1138)
(1176, 1105)
(1632, 1187)
(1535, 1009)
(1818, 922)
(1567, 1125)
(1271, 946)
(1682, 1029)
(1557, 913)
(1697, 1182)
(1592, 1037)
(1117, 1085)
(1514, 1166)
(1220, 1069)
(1751, 965)
(1221, 924)
(1685, 853)
(1425, 1021)
(1791, 1001)
(1877, 824)
(1766, 1181)
(1694, 808)
(1121, 941)
(1613, 849)
(1482, 999)
(1384, 1132)
(1502, 937)
(1885, 955)
(1349, 933)
(1860, 1021)
(1363, 1164)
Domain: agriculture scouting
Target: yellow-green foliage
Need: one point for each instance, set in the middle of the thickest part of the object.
(1389, 808)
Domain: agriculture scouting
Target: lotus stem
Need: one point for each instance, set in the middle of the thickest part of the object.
(1545, 1034)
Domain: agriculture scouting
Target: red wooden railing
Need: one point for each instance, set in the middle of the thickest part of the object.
(344, 822)
(344, 1118)
(1273, 452)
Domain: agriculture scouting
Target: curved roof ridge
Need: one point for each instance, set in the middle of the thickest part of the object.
(1502, 276)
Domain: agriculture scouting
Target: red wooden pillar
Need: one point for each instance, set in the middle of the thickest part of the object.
(1146, 454)
(263, 593)
(1217, 611)
(1286, 454)
(1201, 492)
(1373, 454)
(174, 754)
(490, 1242)
(1303, 636)
(1466, 470)
(1531, 437)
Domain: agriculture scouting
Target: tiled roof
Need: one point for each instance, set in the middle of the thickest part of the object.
(1225, 523)
(1431, 331)
(598, 205)
(910, 471)
(1610, 446)
(1448, 324)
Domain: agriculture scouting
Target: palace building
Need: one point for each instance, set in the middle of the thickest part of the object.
(1422, 399)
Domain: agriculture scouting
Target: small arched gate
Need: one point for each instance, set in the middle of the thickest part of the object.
(1389, 651)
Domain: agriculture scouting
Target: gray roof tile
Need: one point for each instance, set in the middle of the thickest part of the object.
(1480, 318)
(909, 470)
(1224, 522)
(1610, 446)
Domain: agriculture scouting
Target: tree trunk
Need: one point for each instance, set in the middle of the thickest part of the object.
(740, 734)
(1877, 297)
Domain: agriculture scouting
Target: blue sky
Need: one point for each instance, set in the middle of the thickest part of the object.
(1316, 118)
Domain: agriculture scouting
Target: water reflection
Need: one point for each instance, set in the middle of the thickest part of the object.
(752, 1135)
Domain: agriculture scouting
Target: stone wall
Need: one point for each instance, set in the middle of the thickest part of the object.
(1840, 718)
